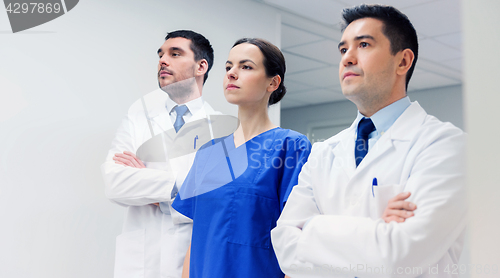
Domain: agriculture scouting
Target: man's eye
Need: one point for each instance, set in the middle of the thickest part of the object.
(175, 54)
(364, 44)
(343, 50)
(228, 69)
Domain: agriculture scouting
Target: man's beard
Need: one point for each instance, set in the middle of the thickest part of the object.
(181, 89)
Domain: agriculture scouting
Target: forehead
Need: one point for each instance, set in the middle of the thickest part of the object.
(177, 43)
(364, 26)
(246, 51)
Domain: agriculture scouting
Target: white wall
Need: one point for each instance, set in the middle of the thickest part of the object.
(64, 87)
(481, 94)
(445, 103)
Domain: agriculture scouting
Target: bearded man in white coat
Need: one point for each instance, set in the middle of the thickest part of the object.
(155, 239)
(332, 224)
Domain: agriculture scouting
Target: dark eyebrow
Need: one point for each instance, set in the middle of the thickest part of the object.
(357, 39)
(242, 62)
(247, 60)
(364, 37)
(171, 49)
(176, 49)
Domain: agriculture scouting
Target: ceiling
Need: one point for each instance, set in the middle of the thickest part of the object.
(310, 33)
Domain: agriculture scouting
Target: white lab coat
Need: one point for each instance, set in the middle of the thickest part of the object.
(153, 244)
(345, 233)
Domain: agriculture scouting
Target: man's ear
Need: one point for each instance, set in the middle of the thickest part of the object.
(275, 83)
(202, 67)
(406, 58)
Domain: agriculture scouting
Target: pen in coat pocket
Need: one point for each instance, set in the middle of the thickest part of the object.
(195, 141)
(374, 183)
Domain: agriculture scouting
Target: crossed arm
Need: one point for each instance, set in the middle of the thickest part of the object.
(397, 208)
(135, 185)
(433, 235)
(129, 159)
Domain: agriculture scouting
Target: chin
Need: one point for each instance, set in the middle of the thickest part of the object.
(349, 91)
(230, 97)
(350, 94)
(164, 81)
(346, 92)
(232, 100)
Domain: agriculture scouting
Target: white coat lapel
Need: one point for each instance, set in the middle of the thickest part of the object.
(162, 120)
(402, 130)
(155, 103)
(202, 113)
(343, 152)
(407, 124)
(381, 148)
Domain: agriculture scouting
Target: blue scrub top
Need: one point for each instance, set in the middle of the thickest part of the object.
(235, 202)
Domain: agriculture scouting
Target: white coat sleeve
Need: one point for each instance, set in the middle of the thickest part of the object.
(347, 243)
(130, 186)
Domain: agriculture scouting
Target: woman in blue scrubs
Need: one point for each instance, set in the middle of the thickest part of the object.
(239, 184)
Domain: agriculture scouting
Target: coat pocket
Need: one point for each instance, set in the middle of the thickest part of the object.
(129, 257)
(252, 218)
(381, 196)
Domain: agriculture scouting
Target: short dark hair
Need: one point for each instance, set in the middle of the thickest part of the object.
(397, 28)
(199, 45)
(274, 62)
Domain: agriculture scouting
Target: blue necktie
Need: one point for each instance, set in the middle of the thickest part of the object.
(180, 110)
(365, 127)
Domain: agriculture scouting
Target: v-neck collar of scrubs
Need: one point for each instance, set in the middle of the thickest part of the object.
(233, 145)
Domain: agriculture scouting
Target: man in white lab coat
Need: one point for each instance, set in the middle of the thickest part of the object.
(332, 223)
(155, 240)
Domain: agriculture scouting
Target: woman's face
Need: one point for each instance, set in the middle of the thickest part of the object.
(246, 81)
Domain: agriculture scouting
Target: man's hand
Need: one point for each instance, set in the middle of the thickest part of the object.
(398, 209)
(128, 159)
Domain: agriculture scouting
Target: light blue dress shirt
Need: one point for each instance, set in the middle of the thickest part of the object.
(384, 119)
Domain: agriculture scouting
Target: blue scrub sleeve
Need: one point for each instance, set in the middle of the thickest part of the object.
(210, 166)
(185, 206)
(185, 200)
(296, 156)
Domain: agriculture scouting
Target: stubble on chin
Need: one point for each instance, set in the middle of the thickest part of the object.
(356, 95)
(166, 84)
(181, 90)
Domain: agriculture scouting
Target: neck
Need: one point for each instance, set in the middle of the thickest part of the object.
(184, 99)
(183, 92)
(253, 121)
(372, 102)
(372, 108)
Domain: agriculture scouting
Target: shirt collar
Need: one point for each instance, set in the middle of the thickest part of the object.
(385, 117)
(193, 105)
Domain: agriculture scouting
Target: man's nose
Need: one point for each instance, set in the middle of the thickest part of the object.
(349, 57)
(164, 61)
